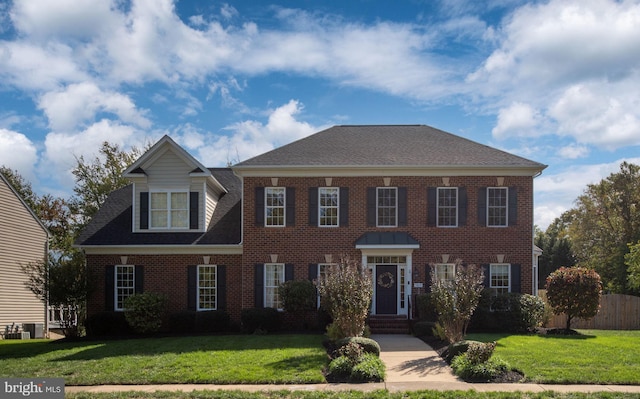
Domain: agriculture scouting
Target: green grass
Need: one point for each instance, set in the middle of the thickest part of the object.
(593, 357)
(232, 359)
(352, 395)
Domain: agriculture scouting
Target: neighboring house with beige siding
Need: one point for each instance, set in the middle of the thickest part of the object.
(23, 239)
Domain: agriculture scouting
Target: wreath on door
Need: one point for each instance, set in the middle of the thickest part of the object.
(386, 280)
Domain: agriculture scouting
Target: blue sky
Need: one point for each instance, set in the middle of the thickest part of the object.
(554, 81)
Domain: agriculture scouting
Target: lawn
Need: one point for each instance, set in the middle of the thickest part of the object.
(593, 357)
(248, 359)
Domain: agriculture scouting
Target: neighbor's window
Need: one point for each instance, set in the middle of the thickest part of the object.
(447, 207)
(207, 287)
(497, 206)
(169, 210)
(387, 206)
(328, 206)
(445, 271)
(273, 277)
(125, 284)
(499, 278)
(274, 206)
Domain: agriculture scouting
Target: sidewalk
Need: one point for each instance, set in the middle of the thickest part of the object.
(411, 365)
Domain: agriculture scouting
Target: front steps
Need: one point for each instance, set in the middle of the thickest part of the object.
(392, 324)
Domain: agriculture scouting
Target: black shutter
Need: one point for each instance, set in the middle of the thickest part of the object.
(192, 286)
(313, 271)
(290, 206)
(485, 269)
(109, 287)
(221, 288)
(194, 210)
(258, 284)
(313, 206)
(402, 206)
(482, 206)
(259, 206)
(427, 278)
(344, 206)
(462, 206)
(516, 278)
(432, 206)
(288, 272)
(143, 206)
(139, 279)
(371, 207)
(513, 206)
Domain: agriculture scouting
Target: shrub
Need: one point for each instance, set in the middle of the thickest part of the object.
(510, 312)
(457, 348)
(574, 291)
(369, 369)
(480, 352)
(464, 368)
(107, 324)
(212, 321)
(298, 296)
(368, 345)
(340, 369)
(346, 290)
(423, 328)
(351, 351)
(258, 320)
(182, 322)
(532, 311)
(426, 307)
(144, 311)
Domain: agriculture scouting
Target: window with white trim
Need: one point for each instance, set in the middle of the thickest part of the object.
(497, 200)
(274, 206)
(322, 272)
(207, 287)
(445, 271)
(328, 203)
(447, 206)
(125, 283)
(499, 278)
(273, 277)
(387, 206)
(169, 210)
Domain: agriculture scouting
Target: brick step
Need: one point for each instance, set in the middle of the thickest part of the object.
(389, 325)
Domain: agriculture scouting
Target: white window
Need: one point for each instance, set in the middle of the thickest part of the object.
(274, 206)
(447, 207)
(499, 278)
(169, 210)
(497, 206)
(125, 284)
(207, 287)
(445, 271)
(328, 200)
(273, 277)
(387, 206)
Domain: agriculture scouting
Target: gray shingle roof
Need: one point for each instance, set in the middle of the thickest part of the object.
(387, 145)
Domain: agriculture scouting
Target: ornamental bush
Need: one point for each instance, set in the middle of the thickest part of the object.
(574, 291)
(260, 320)
(464, 368)
(144, 311)
(368, 345)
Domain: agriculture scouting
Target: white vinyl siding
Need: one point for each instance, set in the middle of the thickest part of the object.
(328, 206)
(273, 277)
(387, 207)
(207, 287)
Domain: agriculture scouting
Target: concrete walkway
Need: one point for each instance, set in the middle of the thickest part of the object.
(411, 365)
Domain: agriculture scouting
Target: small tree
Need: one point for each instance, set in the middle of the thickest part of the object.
(574, 291)
(632, 260)
(345, 293)
(456, 300)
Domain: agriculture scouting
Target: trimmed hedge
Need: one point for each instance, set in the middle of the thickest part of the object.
(104, 324)
(190, 321)
(507, 313)
(261, 320)
(368, 345)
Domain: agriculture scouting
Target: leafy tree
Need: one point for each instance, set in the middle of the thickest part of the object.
(632, 260)
(574, 291)
(606, 219)
(556, 247)
(345, 293)
(456, 300)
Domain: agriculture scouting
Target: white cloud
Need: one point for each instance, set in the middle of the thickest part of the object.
(17, 152)
(519, 120)
(573, 151)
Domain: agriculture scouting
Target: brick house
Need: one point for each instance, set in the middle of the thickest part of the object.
(395, 198)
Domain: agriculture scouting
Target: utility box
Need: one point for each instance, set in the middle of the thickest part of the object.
(36, 330)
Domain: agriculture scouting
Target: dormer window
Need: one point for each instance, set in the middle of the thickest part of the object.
(169, 210)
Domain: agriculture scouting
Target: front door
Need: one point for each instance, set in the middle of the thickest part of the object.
(386, 289)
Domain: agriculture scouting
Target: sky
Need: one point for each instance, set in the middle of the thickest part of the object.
(557, 82)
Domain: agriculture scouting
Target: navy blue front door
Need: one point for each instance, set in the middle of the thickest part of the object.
(386, 289)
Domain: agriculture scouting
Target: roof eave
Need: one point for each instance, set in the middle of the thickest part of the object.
(216, 249)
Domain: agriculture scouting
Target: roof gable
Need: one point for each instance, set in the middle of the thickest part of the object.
(24, 204)
(157, 151)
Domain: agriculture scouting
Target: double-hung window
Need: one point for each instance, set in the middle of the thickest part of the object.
(447, 206)
(207, 287)
(497, 200)
(169, 209)
(124, 284)
(328, 203)
(445, 271)
(387, 206)
(275, 206)
(499, 278)
(273, 277)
